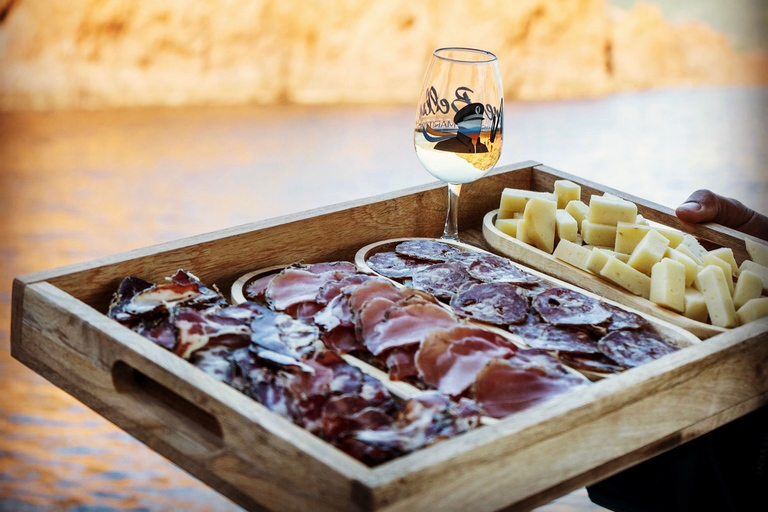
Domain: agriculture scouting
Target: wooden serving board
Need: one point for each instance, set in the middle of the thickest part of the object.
(262, 461)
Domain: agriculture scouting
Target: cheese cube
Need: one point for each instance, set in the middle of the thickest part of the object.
(514, 200)
(598, 234)
(691, 267)
(641, 220)
(694, 246)
(684, 249)
(610, 251)
(610, 210)
(628, 235)
(712, 283)
(566, 226)
(668, 284)
(521, 233)
(753, 310)
(726, 254)
(565, 192)
(757, 252)
(648, 252)
(578, 210)
(627, 277)
(758, 269)
(695, 305)
(749, 286)
(572, 253)
(507, 226)
(708, 259)
(539, 218)
(597, 260)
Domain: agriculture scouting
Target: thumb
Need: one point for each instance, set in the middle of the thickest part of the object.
(706, 206)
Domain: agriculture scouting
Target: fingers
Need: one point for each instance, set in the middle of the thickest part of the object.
(706, 206)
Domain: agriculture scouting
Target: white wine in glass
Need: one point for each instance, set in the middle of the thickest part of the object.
(459, 122)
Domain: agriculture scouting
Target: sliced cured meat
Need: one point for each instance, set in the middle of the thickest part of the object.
(495, 269)
(395, 266)
(196, 330)
(450, 359)
(292, 286)
(372, 314)
(557, 337)
(376, 287)
(599, 363)
(496, 303)
(441, 280)
(333, 288)
(342, 339)
(632, 348)
(162, 333)
(407, 325)
(256, 290)
(426, 249)
(215, 361)
(561, 306)
(506, 386)
(401, 363)
(339, 269)
(623, 319)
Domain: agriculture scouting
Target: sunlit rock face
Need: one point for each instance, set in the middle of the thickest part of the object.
(62, 54)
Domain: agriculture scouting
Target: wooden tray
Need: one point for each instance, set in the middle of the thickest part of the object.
(263, 461)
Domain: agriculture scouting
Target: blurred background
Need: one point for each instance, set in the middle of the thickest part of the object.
(126, 123)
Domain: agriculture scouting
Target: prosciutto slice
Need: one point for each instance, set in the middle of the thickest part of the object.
(407, 325)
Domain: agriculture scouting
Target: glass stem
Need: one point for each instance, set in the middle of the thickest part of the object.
(451, 231)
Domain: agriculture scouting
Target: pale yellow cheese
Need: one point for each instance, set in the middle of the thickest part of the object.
(668, 284)
(507, 226)
(712, 283)
(758, 269)
(565, 192)
(567, 228)
(627, 277)
(757, 252)
(572, 253)
(695, 305)
(611, 210)
(691, 267)
(540, 223)
(514, 200)
(621, 256)
(749, 286)
(598, 234)
(641, 220)
(708, 259)
(726, 254)
(684, 249)
(648, 252)
(522, 233)
(597, 260)
(691, 243)
(628, 235)
(578, 210)
(753, 310)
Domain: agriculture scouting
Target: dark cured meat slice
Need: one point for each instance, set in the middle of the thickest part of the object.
(401, 363)
(599, 363)
(215, 361)
(338, 269)
(557, 337)
(504, 387)
(561, 306)
(331, 289)
(425, 249)
(441, 280)
(495, 269)
(623, 319)
(342, 339)
(407, 325)
(395, 266)
(451, 359)
(196, 330)
(631, 349)
(376, 287)
(496, 303)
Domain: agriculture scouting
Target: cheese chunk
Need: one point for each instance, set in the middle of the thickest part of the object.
(684, 249)
(610, 210)
(521, 233)
(690, 242)
(668, 284)
(726, 254)
(648, 252)
(758, 269)
(708, 259)
(565, 192)
(691, 267)
(628, 235)
(627, 277)
(749, 286)
(712, 283)
(695, 305)
(567, 228)
(507, 226)
(641, 220)
(598, 234)
(610, 251)
(757, 252)
(539, 218)
(754, 309)
(597, 260)
(578, 210)
(514, 200)
(572, 253)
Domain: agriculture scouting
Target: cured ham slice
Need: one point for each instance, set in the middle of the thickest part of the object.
(401, 363)
(451, 359)
(256, 290)
(506, 386)
(425, 249)
(293, 286)
(196, 330)
(441, 280)
(631, 349)
(407, 325)
(496, 303)
(562, 306)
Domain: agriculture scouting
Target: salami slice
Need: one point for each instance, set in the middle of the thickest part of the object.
(441, 280)
(599, 363)
(632, 348)
(425, 249)
(395, 266)
(623, 319)
(561, 306)
(496, 303)
(495, 269)
(556, 337)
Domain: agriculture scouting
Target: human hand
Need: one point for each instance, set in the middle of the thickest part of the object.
(706, 206)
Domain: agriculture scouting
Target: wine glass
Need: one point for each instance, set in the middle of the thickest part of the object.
(459, 121)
